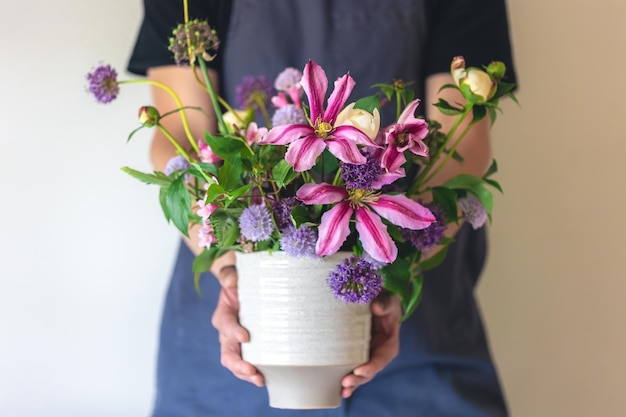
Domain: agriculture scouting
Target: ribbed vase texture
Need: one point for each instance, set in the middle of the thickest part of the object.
(294, 320)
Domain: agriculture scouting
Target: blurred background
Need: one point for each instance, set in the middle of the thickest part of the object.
(85, 253)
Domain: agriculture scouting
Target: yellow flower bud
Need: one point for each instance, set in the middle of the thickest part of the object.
(365, 121)
(237, 119)
(479, 83)
(148, 116)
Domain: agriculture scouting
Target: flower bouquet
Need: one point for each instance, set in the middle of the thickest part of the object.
(290, 172)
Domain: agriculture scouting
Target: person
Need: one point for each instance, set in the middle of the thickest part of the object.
(437, 363)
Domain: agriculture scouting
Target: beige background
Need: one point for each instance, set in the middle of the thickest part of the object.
(85, 253)
(554, 291)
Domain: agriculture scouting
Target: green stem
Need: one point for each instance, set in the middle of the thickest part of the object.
(419, 181)
(182, 151)
(179, 103)
(450, 153)
(216, 107)
(261, 103)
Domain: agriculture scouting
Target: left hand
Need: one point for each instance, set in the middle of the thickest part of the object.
(384, 345)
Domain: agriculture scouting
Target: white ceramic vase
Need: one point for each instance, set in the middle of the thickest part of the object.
(302, 339)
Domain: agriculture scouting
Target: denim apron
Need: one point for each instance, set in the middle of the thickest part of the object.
(444, 366)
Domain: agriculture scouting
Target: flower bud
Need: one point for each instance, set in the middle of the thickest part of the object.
(496, 69)
(476, 80)
(365, 121)
(237, 119)
(479, 83)
(149, 116)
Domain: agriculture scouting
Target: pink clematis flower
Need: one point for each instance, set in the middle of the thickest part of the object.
(335, 226)
(308, 142)
(253, 133)
(407, 134)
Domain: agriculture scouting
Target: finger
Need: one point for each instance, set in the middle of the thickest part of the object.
(225, 319)
(224, 270)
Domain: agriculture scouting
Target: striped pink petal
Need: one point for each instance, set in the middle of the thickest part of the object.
(303, 153)
(338, 98)
(402, 211)
(284, 134)
(334, 229)
(374, 237)
(321, 193)
(314, 83)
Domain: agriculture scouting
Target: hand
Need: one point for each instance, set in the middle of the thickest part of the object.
(384, 345)
(231, 334)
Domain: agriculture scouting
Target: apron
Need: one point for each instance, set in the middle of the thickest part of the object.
(444, 367)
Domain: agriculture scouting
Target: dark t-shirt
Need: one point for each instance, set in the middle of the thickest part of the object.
(451, 27)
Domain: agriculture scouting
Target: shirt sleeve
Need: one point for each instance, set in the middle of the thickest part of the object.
(476, 29)
(160, 18)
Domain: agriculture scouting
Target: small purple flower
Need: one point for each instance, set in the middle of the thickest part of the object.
(103, 83)
(430, 236)
(282, 211)
(355, 281)
(254, 92)
(473, 211)
(255, 223)
(290, 114)
(202, 41)
(298, 242)
(177, 163)
(288, 79)
(362, 176)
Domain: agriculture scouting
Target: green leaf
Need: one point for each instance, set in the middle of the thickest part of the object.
(162, 199)
(227, 146)
(214, 191)
(368, 103)
(446, 86)
(446, 199)
(476, 186)
(416, 295)
(178, 205)
(447, 108)
(495, 184)
(396, 278)
(479, 113)
(235, 194)
(434, 260)
(283, 173)
(225, 226)
(204, 261)
(300, 215)
(230, 173)
(457, 157)
(133, 133)
(206, 167)
(493, 168)
(158, 178)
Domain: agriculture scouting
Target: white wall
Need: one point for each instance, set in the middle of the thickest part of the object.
(84, 250)
(85, 253)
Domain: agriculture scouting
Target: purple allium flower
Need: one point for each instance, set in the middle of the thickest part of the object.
(175, 164)
(103, 83)
(282, 211)
(256, 223)
(362, 176)
(298, 242)
(473, 211)
(202, 41)
(288, 79)
(430, 236)
(290, 114)
(254, 92)
(355, 281)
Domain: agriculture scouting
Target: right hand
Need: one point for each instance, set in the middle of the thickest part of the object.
(226, 321)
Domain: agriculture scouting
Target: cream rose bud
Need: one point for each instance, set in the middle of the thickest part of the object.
(366, 122)
(479, 83)
(148, 116)
(238, 118)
